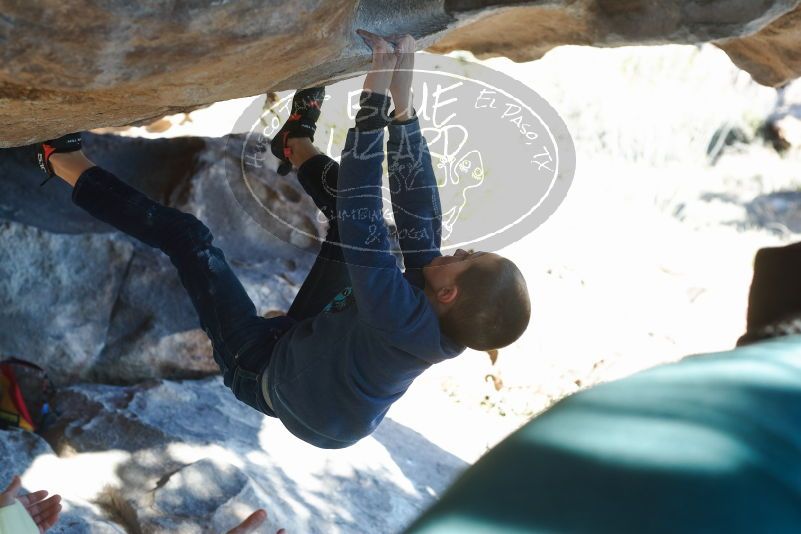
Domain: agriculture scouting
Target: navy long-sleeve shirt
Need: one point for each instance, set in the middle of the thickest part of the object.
(333, 377)
(415, 197)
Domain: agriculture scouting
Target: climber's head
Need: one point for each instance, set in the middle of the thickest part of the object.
(481, 298)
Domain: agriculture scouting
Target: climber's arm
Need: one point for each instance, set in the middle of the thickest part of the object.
(415, 196)
(383, 297)
(70, 166)
(412, 184)
(401, 84)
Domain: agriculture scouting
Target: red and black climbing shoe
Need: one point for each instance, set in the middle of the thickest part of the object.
(68, 143)
(302, 122)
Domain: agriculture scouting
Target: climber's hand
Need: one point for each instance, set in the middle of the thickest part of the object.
(383, 52)
(253, 522)
(401, 85)
(384, 61)
(70, 166)
(43, 510)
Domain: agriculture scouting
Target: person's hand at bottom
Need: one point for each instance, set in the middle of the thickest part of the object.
(254, 521)
(42, 509)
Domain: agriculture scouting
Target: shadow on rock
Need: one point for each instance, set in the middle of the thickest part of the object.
(199, 460)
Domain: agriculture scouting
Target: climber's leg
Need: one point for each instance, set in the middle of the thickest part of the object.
(241, 339)
(318, 175)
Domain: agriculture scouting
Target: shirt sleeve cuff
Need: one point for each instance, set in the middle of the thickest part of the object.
(405, 129)
(364, 144)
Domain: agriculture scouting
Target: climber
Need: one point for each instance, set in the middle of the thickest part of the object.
(359, 331)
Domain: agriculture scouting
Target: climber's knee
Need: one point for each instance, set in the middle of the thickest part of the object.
(185, 233)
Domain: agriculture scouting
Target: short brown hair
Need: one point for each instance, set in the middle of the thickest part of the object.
(492, 307)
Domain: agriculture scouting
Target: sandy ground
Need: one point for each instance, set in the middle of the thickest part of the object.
(648, 259)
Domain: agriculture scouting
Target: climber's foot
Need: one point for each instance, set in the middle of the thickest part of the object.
(302, 123)
(62, 145)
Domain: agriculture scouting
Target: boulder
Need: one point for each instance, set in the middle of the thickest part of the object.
(760, 38)
(188, 457)
(770, 55)
(57, 293)
(64, 71)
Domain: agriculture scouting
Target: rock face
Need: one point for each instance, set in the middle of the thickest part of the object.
(760, 37)
(57, 295)
(89, 303)
(188, 457)
(771, 54)
(62, 70)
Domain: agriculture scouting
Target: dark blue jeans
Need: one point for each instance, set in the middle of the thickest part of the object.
(242, 340)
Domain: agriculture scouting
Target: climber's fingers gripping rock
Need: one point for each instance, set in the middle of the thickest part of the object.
(383, 52)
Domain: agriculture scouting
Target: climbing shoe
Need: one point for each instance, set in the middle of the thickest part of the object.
(302, 122)
(68, 143)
